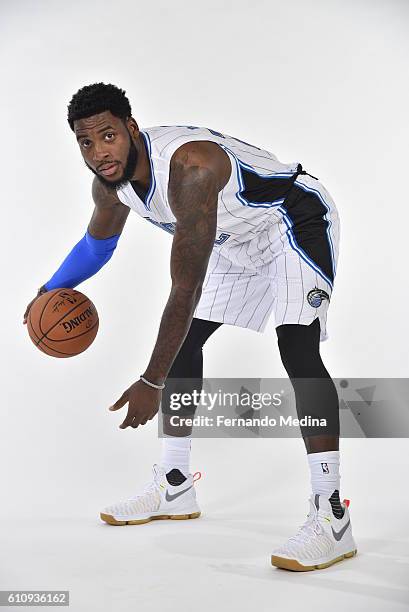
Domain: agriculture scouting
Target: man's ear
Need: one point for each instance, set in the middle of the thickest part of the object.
(132, 126)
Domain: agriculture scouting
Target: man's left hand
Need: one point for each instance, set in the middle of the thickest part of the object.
(144, 402)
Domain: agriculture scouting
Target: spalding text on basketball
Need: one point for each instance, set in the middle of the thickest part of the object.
(73, 323)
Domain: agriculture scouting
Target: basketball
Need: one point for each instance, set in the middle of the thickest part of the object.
(62, 322)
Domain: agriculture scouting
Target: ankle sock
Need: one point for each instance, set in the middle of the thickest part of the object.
(324, 469)
(176, 455)
(325, 478)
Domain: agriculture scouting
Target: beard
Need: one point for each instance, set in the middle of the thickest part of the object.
(130, 166)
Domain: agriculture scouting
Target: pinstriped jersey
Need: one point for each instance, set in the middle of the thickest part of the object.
(249, 202)
(276, 243)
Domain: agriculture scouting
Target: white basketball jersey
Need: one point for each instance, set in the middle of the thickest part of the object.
(248, 203)
(276, 243)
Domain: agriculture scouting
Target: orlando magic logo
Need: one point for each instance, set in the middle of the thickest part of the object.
(316, 296)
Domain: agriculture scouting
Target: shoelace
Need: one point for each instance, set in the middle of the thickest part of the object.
(307, 531)
(149, 487)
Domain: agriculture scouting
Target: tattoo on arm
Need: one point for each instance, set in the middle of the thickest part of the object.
(193, 193)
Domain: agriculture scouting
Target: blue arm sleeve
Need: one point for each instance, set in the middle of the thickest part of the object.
(86, 258)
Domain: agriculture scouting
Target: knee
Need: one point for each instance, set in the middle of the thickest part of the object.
(185, 361)
(299, 349)
(190, 356)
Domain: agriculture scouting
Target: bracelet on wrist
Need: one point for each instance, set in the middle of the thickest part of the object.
(151, 384)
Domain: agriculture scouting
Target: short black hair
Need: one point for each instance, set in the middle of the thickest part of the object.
(97, 98)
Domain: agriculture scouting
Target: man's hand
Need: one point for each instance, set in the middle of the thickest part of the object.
(144, 402)
(40, 292)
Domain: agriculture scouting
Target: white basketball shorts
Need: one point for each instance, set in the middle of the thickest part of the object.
(288, 269)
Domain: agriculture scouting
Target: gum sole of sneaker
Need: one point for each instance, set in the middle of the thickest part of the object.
(108, 518)
(294, 566)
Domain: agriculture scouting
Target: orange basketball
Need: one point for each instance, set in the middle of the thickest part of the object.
(62, 322)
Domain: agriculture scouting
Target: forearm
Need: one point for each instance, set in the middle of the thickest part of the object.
(174, 326)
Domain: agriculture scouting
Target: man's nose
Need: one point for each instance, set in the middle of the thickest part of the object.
(100, 153)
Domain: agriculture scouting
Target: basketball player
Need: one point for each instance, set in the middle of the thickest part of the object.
(251, 236)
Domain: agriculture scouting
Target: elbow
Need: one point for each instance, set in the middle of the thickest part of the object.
(190, 293)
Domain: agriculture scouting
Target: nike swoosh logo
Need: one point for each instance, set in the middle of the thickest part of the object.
(338, 534)
(175, 495)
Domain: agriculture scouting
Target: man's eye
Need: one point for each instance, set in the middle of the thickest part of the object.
(109, 135)
(85, 143)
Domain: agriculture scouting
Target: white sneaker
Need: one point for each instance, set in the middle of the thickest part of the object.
(320, 542)
(158, 500)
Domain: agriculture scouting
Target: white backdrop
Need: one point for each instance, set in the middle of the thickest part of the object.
(322, 81)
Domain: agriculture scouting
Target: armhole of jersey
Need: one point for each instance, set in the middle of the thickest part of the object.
(123, 197)
(233, 162)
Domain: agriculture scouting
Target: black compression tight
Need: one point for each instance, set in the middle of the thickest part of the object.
(186, 373)
(315, 392)
(189, 361)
